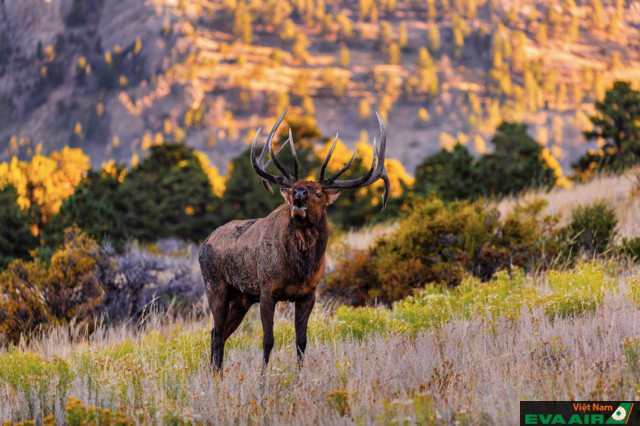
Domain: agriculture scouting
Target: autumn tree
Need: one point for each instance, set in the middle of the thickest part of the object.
(434, 38)
(394, 54)
(44, 182)
(345, 58)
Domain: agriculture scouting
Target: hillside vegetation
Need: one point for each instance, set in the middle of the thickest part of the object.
(115, 77)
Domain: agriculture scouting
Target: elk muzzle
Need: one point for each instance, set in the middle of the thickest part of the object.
(299, 198)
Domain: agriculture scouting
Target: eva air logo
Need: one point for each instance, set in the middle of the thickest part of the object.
(621, 415)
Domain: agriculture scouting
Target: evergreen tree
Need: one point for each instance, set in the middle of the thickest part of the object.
(345, 58)
(403, 38)
(515, 164)
(168, 194)
(92, 207)
(384, 37)
(16, 240)
(434, 38)
(597, 14)
(451, 174)
(618, 117)
(394, 54)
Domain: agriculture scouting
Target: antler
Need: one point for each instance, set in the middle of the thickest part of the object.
(377, 170)
(261, 168)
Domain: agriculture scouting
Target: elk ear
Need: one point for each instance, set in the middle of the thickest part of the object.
(332, 196)
(286, 193)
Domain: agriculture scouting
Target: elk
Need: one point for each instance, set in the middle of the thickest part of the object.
(280, 257)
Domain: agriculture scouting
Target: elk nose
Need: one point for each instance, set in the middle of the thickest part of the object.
(299, 193)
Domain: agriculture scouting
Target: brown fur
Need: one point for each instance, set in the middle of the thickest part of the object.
(279, 257)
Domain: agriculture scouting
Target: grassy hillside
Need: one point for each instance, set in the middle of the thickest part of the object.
(469, 355)
(115, 77)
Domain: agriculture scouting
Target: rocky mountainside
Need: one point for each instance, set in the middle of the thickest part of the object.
(116, 76)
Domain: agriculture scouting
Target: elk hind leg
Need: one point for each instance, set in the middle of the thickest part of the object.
(218, 296)
(239, 305)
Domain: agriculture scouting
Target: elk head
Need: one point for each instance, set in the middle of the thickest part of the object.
(307, 200)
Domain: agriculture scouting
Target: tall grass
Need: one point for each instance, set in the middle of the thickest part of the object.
(619, 191)
(468, 355)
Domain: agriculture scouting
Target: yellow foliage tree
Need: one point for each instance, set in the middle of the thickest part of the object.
(218, 182)
(45, 181)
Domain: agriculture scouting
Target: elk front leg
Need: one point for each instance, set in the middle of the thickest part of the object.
(267, 308)
(303, 311)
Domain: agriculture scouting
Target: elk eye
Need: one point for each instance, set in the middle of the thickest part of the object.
(319, 194)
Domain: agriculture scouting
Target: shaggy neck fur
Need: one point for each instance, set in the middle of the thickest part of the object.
(308, 243)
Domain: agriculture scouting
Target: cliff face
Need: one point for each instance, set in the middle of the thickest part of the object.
(115, 76)
(66, 67)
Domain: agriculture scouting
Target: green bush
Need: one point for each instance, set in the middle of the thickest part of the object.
(437, 243)
(591, 230)
(630, 247)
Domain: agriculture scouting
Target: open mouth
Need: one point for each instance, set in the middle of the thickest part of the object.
(299, 205)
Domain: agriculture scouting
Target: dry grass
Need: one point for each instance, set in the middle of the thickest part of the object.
(472, 370)
(620, 191)
(360, 239)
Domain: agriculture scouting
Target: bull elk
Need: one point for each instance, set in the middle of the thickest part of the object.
(280, 257)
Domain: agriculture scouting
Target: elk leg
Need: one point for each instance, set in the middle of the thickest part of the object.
(267, 308)
(303, 311)
(219, 304)
(238, 307)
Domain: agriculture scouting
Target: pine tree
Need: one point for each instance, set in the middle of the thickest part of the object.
(364, 110)
(618, 117)
(432, 12)
(423, 117)
(597, 14)
(459, 30)
(394, 54)
(434, 38)
(16, 240)
(573, 31)
(403, 39)
(384, 37)
(541, 34)
(345, 57)
(365, 8)
(307, 106)
(299, 48)
(615, 63)
(561, 100)
(425, 61)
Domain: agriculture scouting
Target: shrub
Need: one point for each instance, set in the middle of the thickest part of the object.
(78, 414)
(140, 281)
(630, 247)
(33, 295)
(72, 287)
(591, 230)
(22, 305)
(436, 243)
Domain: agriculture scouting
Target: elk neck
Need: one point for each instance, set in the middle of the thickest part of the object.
(307, 243)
